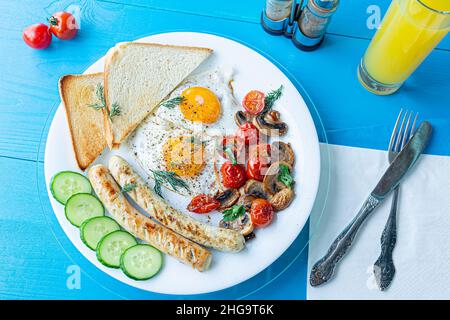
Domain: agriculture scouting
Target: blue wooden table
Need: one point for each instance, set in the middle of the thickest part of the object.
(36, 259)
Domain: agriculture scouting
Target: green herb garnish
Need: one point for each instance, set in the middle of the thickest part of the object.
(169, 177)
(100, 96)
(284, 175)
(233, 213)
(128, 187)
(271, 97)
(172, 102)
(231, 156)
(115, 111)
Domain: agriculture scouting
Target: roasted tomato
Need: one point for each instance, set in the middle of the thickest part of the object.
(203, 203)
(254, 102)
(259, 161)
(37, 36)
(248, 134)
(233, 175)
(261, 213)
(63, 25)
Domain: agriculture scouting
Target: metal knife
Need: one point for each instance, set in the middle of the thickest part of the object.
(323, 269)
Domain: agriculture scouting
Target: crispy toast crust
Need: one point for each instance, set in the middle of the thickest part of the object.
(89, 158)
(112, 141)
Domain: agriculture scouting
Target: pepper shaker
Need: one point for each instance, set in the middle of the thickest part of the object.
(312, 23)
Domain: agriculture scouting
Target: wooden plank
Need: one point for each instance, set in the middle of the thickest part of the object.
(33, 264)
(353, 18)
(351, 115)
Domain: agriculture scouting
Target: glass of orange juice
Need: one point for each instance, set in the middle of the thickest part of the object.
(409, 31)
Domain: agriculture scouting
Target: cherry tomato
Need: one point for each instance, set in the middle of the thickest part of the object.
(261, 213)
(259, 161)
(248, 133)
(254, 102)
(37, 36)
(233, 175)
(63, 25)
(203, 203)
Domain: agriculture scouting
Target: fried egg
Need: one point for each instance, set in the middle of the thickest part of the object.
(207, 103)
(160, 146)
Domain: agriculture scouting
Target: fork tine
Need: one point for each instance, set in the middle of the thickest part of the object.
(394, 131)
(413, 128)
(400, 134)
(405, 137)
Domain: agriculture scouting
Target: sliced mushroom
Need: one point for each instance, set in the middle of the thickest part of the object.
(255, 188)
(250, 236)
(280, 195)
(270, 124)
(242, 117)
(271, 184)
(282, 199)
(247, 203)
(281, 151)
(243, 224)
(227, 198)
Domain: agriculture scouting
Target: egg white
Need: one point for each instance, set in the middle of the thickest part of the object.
(217, 80)
(147, 144)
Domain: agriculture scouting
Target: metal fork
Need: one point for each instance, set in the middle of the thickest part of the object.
(384, 268)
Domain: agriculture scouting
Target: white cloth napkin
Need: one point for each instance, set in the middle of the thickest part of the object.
(422, 253)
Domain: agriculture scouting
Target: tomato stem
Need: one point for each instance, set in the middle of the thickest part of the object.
(53, 21)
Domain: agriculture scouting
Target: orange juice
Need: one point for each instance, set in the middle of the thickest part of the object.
(409, 31)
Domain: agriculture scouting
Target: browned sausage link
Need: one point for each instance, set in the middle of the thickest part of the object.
(142, 227)
(209, 236)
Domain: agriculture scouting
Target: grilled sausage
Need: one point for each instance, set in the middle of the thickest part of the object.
(142, 227)
(214, 237)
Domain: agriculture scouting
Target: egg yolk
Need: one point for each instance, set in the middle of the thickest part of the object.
(184, 156)
(200, 105)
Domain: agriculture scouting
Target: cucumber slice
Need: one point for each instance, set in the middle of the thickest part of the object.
(81, 207)
(94, 229)
(141, 262)
(112, 246)
(67, 183)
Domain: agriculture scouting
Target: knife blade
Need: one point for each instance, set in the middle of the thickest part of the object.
(323, 270)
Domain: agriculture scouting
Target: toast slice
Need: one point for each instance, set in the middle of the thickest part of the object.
(138, 76)
(81, 98)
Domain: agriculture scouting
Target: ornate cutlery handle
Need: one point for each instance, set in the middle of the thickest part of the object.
(323, 269)
(384, 268)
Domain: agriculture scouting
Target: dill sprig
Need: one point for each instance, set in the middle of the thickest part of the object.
(128, 187)
(115, 110)
(100, 95)
(172, 102)
(271, 97)
(168, 177)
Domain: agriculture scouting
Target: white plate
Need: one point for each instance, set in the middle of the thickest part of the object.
(253, 71)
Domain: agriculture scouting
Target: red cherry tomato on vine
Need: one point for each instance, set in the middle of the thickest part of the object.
(203, 203)
(37, 36)
(63, 25)
(254, 102)
(248, 133)
(261, 213)
(233, 175)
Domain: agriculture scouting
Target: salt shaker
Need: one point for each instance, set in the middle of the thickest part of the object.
(278, 9)
(312, 23)
(276, 15)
